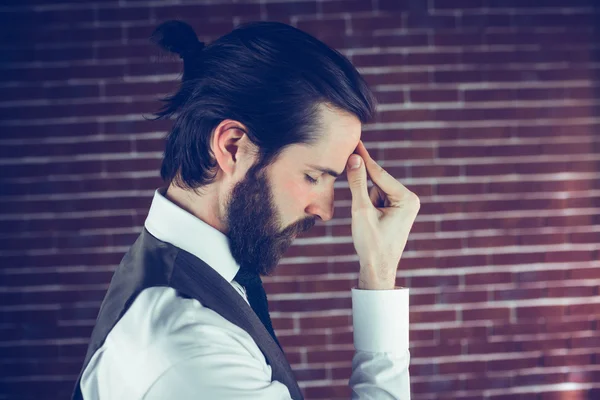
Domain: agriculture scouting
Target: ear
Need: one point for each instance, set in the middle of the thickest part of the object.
(230, 146)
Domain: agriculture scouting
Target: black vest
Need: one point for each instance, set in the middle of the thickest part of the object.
(151, 262)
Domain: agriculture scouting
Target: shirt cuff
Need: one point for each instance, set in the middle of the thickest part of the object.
(380, 320)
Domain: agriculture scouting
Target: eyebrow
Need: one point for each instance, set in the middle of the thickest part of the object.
(325, 170)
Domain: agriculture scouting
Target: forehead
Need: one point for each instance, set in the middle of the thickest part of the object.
(340, 133)
(340, 128)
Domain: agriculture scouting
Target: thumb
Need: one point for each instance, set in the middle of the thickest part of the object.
(357, 180)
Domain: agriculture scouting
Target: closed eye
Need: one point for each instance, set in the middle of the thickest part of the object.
(310, 179)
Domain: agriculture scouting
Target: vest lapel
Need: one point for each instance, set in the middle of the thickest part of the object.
(194, 278)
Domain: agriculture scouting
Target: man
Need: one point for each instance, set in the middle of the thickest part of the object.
(266, 118)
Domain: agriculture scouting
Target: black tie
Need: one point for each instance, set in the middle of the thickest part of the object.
(257, 297)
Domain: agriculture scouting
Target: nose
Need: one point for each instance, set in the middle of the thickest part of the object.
(322, 207)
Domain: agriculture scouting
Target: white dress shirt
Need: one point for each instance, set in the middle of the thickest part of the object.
(168, 347)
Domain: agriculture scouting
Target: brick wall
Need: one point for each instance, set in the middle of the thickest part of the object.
(489, 112)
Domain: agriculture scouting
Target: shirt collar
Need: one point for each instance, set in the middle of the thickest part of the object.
(169, 223)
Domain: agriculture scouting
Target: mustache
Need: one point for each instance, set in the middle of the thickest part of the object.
(300, 226)
(305, 224)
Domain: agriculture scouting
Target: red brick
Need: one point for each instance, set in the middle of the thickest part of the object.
(463, 76)
(518, 294)
(334, 303)
(281, 323)
(333, 321)
(389, 97)
(484, 21)
(461, 296)
(567, 256)
(303, 340)
(462, 367)
(432, 281)
(435, 244)
(460, 333)
(578, 342)
(517, 258)
(433, 96)
(590, 308)
(329, 249)
(123, 13)
(272, 287)
(559, 19)
(457, 39)
(521, 328)
(369, 23)
(432, 316)
(499, 313)
(584, 273)
(465, 188)
(435, 170)
(404, 153)
(570, 394)
(490, 95)
(457, 4)
(544, 344)
(55, 92)
(489, 347)
(290, 8)
(421, 335)
(536, 276)
(572, 291)
(406, 115)
(560, 360)
(223, 10)
(491, 241)
(393, 5)
(511, 364)
(488, 278)
(534, 312)
(328, 391)
(430, 21)
(534, 379)
(427, 351)
(329, 355)
(397, 78)
(327, 26)
(569, 325)
(411, 39)
(422, 299)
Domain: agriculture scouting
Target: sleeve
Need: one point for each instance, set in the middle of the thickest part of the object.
(220, 363)
(223, 374)
(380, 363)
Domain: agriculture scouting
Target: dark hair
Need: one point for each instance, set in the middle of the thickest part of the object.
(269, 76)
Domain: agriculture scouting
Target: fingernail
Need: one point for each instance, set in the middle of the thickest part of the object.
(354, 162)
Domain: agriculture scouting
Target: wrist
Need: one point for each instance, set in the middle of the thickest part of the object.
(369, 280)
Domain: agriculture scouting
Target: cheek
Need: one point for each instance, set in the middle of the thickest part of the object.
(292, 196)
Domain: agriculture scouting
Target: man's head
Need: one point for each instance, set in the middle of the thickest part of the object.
(261, 113)
(267, 207)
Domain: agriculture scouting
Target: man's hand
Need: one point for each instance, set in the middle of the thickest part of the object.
(381, 220)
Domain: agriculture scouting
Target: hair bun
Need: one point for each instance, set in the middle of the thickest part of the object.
(177, 37)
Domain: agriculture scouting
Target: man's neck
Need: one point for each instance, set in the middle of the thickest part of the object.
(205, 207)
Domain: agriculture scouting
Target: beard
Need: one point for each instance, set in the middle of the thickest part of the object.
(255, 239)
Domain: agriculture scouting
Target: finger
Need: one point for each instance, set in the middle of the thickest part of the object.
(380, 177)
(357, 180)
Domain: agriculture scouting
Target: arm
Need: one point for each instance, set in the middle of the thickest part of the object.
(380, 364)
(220, 369)
(223, 362)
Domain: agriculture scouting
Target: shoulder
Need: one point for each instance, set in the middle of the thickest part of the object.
(159, 330)
(166, 321)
